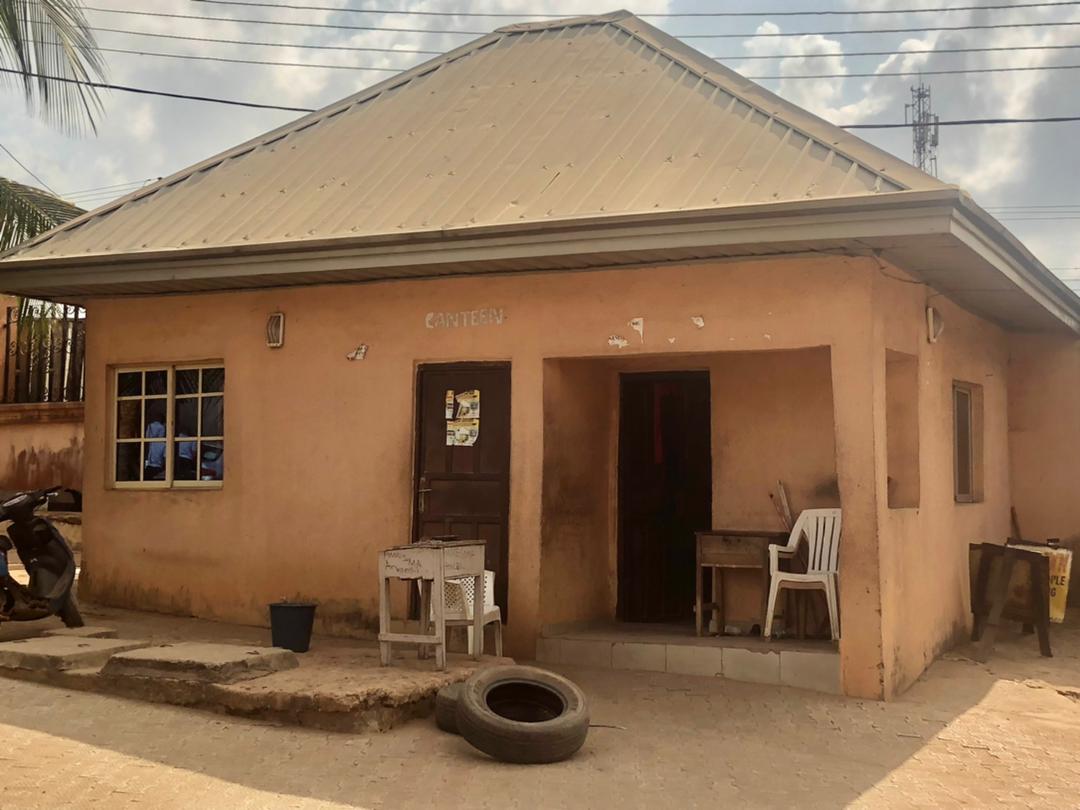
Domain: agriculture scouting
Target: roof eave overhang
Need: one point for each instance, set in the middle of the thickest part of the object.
(861, 224)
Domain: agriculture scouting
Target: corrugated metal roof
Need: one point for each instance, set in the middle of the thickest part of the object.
(535, 122)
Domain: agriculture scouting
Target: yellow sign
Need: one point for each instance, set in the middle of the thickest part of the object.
(1060, 563)
(1060, 566)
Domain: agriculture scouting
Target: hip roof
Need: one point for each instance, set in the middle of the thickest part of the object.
(535, 122)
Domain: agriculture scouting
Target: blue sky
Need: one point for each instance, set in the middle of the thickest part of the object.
(1019, 166)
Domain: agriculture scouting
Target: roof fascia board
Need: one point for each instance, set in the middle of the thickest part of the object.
(984, 241)
(565, 238)
(727, 217)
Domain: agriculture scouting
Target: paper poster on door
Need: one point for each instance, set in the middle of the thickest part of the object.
(449, 403)
(462, 432)
(468, 404)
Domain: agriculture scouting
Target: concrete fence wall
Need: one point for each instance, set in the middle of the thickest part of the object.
(41, 444)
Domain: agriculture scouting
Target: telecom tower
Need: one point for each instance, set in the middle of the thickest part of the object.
(924, 129)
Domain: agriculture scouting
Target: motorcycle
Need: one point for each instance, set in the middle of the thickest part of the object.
(49, 562)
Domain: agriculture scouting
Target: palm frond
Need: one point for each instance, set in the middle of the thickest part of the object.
(51, 38)
(26, 211)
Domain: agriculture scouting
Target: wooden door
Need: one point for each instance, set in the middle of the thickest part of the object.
(665, 492)
(462, 483)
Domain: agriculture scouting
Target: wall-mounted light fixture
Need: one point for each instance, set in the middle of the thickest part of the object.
(275, 330)
(935, 324)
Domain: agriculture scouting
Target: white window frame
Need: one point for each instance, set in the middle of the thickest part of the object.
(170, 370)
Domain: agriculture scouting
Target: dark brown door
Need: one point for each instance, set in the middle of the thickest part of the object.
(665, 492)
(463, 467)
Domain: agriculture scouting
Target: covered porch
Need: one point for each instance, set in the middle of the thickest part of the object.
(640, 454)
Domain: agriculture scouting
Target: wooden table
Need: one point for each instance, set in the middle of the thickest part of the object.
(430, 562)
(731, 548)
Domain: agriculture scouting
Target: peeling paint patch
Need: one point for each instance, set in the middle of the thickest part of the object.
(697, 321)
(638, 325)
(618, 342)
(671, 340)
(359, 353)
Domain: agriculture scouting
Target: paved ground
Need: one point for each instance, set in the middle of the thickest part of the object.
(1006, 735)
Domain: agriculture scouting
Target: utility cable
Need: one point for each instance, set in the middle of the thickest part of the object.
(361, 49)
(26, 169)
(163, 93)
(256, 105)
(325, 66)
(652, 15)
(459, 31)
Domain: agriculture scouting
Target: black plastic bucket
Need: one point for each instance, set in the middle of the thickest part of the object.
(290, 625)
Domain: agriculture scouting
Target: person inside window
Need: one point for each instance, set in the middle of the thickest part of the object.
(185, 460)
(155, 451)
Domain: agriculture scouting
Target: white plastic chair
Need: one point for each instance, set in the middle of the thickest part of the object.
(821, 527)
(460, 600)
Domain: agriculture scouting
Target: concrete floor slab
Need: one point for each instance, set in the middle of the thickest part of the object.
(59, 653)
(200, 662)
(89, 631)
(752, 666)
(583, 653)
(549, 650)
(642, 657)
(810, 670)
(691, 660)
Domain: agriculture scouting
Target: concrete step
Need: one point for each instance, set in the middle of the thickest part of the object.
(87, 631)
(199, 662)
(806, 669)
(58, 653)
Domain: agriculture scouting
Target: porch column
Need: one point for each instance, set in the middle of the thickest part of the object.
(526, 481)
(858, 369)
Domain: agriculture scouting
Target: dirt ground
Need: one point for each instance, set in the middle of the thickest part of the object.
(1005, 734)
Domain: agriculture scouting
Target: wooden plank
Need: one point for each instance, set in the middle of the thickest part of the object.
(785, 506)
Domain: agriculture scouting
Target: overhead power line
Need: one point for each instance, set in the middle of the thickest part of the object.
(861, 31)
(916, 72)
(362, 49)
(359, 68)
(912, 51)
(964, 122)
(745, 35)
(237, 61)
(164, 93)
(26, 169)
(288, 23)
(237, 103)
(78, 191)
(302, 46)
(655, 15)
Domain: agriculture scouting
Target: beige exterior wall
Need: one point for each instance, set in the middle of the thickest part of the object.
(924, 562)
(41, 445)
(1044, 437)
(311, 491)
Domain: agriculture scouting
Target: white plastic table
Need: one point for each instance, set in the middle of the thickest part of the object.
(430, 562)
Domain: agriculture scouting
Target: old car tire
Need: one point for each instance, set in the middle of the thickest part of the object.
(69, 613)
(523, 714)
(446, 703)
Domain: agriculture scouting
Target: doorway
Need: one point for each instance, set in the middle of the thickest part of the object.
(462, 481)
(664, 492)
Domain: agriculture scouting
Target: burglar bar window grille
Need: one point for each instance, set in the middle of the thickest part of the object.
(169, 426)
